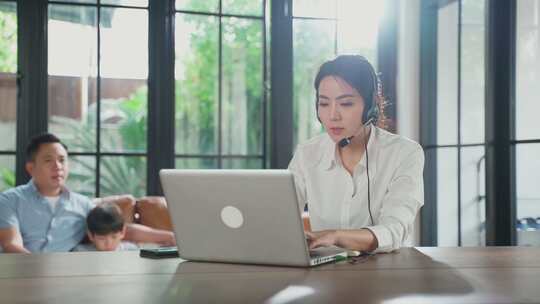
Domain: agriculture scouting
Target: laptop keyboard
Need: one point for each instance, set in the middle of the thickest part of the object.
(324, 251)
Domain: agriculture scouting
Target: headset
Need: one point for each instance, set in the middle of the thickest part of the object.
(371, 116)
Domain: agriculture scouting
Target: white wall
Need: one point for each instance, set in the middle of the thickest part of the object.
(408, 78)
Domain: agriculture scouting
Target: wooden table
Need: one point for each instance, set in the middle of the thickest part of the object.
(413, 275)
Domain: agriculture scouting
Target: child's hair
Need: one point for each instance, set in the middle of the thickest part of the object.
(104, 219)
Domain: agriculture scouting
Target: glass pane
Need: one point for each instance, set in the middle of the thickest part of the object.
(207, 6)
(123, 175)
(77, 14)
(141, 3)
(358, 27)
(473, 190)
(314, 8)
(241, 89)
(527, 69)
(196, 163)
(8, 80)
(528, 193)
(313, 44)
(82, 175)
(472, 72)
(197, 84)
(124, 70)
(82, 1)
(242, 7)
(242, 163)
(7, 171)
(447, 197)
(447, 85)
(473, 11)
(72, 90)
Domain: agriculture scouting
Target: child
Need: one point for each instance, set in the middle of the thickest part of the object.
(106, 229)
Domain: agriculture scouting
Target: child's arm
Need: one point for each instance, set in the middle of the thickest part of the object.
(142, 234)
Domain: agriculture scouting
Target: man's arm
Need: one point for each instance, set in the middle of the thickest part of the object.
(11, 241)
(142, 234)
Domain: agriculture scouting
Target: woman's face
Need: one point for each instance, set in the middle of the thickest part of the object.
(340, 108)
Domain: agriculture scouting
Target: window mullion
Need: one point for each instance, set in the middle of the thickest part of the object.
(32, 105)
(161, 99)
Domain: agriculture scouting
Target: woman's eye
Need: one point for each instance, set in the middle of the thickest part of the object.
(346, 103)
(323, 104)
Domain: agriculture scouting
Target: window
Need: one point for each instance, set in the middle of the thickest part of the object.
(8, 92)
(220, 76)
(110, 96)
(527, 128)
(97, 78)
(321, 30)
(460, 139)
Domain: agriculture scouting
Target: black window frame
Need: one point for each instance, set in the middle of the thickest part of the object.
(281, 114)
(220, 15)
(499, 121)
(98, 154)
(277, 138)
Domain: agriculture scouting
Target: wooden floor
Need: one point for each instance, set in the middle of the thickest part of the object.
(413, 275)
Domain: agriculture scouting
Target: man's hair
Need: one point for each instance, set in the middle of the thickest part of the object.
(104, 219)
(38, 140)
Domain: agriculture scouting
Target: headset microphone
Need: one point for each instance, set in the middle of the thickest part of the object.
(344, 142)
(347, 140)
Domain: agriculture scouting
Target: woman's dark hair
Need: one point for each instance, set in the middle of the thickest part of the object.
(359, 74)
(37, 141)
(104, 219)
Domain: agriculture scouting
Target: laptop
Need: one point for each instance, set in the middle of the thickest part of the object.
(240, 216)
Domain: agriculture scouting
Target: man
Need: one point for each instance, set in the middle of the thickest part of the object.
(43, 215)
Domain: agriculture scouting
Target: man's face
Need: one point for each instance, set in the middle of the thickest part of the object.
(49, 168)
(107, 242)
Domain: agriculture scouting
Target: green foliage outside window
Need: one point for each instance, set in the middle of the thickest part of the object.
(118, 174)
(8, 179)
(196, 105)
(8, 64)
(241, 88)
(8, 42)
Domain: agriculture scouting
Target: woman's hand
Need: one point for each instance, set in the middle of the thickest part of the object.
(361, 240)
(321, 238)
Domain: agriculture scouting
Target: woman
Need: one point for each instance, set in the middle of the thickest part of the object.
(363, 185)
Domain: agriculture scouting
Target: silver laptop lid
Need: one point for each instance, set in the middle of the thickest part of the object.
(242, 216)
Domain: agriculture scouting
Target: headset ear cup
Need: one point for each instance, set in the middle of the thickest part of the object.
(371, 115)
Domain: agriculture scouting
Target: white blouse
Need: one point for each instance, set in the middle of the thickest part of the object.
(338, 201)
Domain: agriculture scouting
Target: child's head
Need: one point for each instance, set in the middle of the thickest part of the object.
(106, 227)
